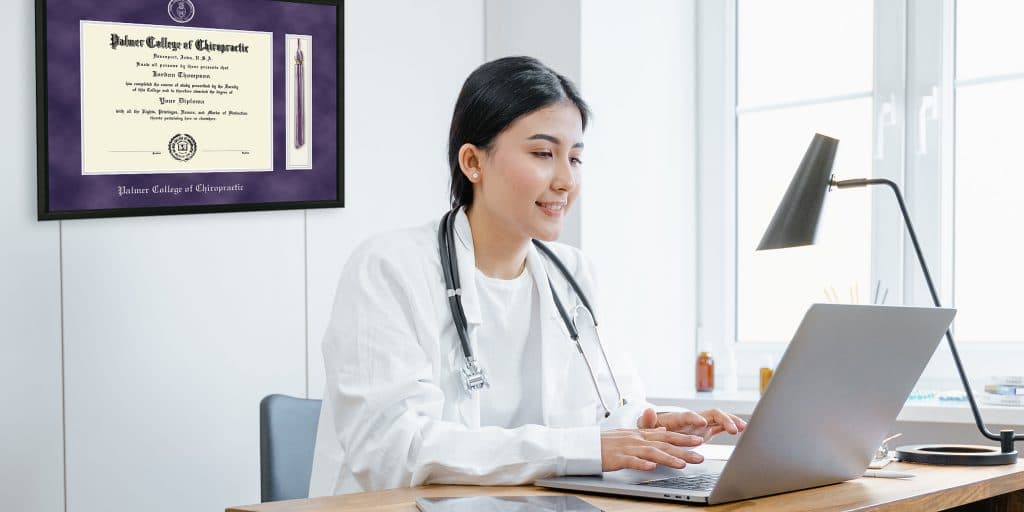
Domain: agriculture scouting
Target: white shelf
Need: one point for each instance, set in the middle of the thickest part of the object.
(933, 410)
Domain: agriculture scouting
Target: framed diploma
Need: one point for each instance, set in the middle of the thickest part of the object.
(154, 107)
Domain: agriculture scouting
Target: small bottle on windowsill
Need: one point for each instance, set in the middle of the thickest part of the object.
(705, 369)
(765, 374)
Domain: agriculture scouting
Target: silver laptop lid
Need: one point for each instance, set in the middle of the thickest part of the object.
(835, 394)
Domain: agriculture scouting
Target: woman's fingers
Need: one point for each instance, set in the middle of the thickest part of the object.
(633, 462)
(648, 419)
(706, 424)
(688, 456)
(688, 422)
(718, 417)
(673, 437)
(740, 424)
(653, 454)
(643, 449)
(713, 431)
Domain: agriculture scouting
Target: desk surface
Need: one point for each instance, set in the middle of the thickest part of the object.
(934, 488)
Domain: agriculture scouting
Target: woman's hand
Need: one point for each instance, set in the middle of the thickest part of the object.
(646, 447)
(706, 424)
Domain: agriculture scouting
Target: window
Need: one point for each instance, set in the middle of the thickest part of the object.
(786, 90)
(989, 175)
(880, 77)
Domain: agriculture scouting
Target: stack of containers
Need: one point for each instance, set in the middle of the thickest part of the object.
(1005, 390)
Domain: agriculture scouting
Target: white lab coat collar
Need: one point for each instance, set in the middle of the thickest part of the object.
(467, 274)
(557, 348)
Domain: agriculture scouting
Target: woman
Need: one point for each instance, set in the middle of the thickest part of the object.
(396, 409)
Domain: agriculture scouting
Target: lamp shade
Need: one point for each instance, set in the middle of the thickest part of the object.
(795, 222)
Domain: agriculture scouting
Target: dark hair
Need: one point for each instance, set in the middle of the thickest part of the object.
(493, 96)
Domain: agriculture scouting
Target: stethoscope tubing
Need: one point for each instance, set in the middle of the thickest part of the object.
(568, 277)
(446, 246)
(453, 290)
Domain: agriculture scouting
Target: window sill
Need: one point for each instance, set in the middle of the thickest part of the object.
(932, 410)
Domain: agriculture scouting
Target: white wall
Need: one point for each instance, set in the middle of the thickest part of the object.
(550, 32)
(31, 446)
(638, 223)
(175, 327)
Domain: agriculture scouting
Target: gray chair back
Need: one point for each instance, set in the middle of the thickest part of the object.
(287, 438)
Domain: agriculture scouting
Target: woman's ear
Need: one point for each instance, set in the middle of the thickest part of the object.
(470, 158)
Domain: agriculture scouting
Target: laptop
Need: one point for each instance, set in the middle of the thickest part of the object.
(834, 395)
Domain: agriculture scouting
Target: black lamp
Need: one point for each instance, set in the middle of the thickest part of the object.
(796, 223)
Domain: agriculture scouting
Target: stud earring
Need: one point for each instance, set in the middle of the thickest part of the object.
(476, 175)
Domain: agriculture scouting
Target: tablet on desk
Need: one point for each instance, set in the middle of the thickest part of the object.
(505, 503)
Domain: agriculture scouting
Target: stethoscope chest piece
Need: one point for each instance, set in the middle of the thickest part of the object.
(474, 378)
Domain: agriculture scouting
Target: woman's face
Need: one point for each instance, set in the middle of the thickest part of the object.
(530, 177)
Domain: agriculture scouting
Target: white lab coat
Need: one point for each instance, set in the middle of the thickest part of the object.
(395, 413)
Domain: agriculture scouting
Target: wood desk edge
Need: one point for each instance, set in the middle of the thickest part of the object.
(963, 488)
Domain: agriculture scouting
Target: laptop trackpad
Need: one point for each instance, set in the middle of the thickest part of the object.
(634, 476)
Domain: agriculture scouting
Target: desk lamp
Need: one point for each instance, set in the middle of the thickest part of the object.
(795, 223)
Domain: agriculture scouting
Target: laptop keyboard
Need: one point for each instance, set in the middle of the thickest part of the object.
(704, 482)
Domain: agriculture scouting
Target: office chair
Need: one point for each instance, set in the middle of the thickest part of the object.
(287, 437)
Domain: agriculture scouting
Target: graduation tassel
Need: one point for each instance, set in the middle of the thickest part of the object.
(300, 118)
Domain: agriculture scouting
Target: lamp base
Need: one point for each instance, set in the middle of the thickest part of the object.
(955, 455)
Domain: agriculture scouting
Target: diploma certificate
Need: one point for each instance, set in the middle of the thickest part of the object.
(164, 99)
(188, 106)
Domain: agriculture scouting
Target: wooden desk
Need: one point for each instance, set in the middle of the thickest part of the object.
(993, 488)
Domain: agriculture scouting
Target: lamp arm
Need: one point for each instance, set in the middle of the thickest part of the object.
(863, 182)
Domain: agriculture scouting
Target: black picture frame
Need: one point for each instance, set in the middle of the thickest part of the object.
(53, 177)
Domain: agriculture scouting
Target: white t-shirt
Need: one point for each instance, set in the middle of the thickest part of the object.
(508, 342)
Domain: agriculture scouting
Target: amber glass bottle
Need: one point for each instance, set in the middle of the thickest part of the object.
(705, 370)
(766, 372)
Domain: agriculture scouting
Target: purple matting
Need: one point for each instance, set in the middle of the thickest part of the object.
(70, 191)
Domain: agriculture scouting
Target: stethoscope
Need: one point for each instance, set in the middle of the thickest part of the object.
(474, 377)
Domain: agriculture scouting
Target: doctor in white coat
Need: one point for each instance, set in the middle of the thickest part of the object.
(395, 410)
